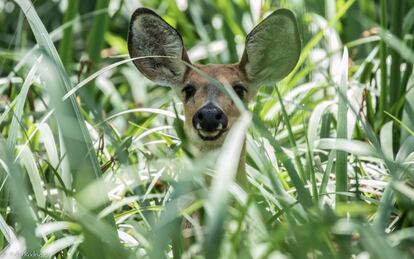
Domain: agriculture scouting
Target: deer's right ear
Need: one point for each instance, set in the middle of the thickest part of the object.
(149, 35)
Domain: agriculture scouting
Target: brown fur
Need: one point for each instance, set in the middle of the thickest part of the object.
(226, 74)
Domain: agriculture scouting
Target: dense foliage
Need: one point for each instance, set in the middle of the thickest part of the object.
(92, 162)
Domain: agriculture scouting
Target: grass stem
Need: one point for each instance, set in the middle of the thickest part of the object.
(383, 105)
(66, 44)
(342, 132)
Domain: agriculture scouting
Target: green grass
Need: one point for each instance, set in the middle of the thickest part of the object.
(93, 161)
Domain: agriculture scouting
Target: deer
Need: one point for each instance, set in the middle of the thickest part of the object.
(272, 50)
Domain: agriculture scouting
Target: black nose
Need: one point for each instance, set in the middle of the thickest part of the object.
(210, 118)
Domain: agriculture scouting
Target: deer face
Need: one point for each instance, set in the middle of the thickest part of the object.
(272, 51)
(209, 110)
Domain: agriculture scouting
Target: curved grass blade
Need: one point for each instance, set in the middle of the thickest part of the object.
(291, 138)
(21, 98)
(101, 71)
(29, 163)
(226, 170)
(356, 147)
(19, 202)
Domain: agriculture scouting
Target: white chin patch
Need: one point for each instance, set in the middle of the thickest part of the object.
(209, 134)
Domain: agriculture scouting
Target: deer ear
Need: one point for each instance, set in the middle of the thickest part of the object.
(150, 35)
(272, 48)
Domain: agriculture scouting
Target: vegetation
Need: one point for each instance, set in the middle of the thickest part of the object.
(91, 162)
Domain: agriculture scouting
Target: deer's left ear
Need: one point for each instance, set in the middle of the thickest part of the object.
(272, 48)
(159, 47)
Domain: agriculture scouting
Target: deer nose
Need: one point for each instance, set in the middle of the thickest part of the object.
(210, 118)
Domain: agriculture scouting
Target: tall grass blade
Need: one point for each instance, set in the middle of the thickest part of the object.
(327, 173)
(29, 163)
(21, 99)
(19, 201)
(291, 137)
(226, 170)
(396, 29)
(401, 124)
(66, 44)
(355, 147)
(96, 37)
(96, 43)
(341, 165)
(383, 99)
(386, 140)
(93, 76)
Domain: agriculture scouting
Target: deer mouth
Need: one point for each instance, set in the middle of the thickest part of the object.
(210, 135)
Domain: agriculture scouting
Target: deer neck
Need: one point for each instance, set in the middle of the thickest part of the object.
(241, 176)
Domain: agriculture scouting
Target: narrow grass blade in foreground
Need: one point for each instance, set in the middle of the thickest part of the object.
(342, 132)
(66, 44)
(19, 203)
(383, 100)
(226, 170)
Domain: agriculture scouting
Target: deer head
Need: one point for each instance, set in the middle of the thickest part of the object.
(272, 50)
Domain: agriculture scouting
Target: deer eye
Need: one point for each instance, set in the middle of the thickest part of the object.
(189, 91)
(240, 90)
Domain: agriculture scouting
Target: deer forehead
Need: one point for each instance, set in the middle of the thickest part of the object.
(227, 74)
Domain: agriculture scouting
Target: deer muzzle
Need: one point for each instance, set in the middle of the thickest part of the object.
(210, 122)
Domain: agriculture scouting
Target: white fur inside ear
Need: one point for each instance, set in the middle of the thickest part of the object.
(151, 36)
